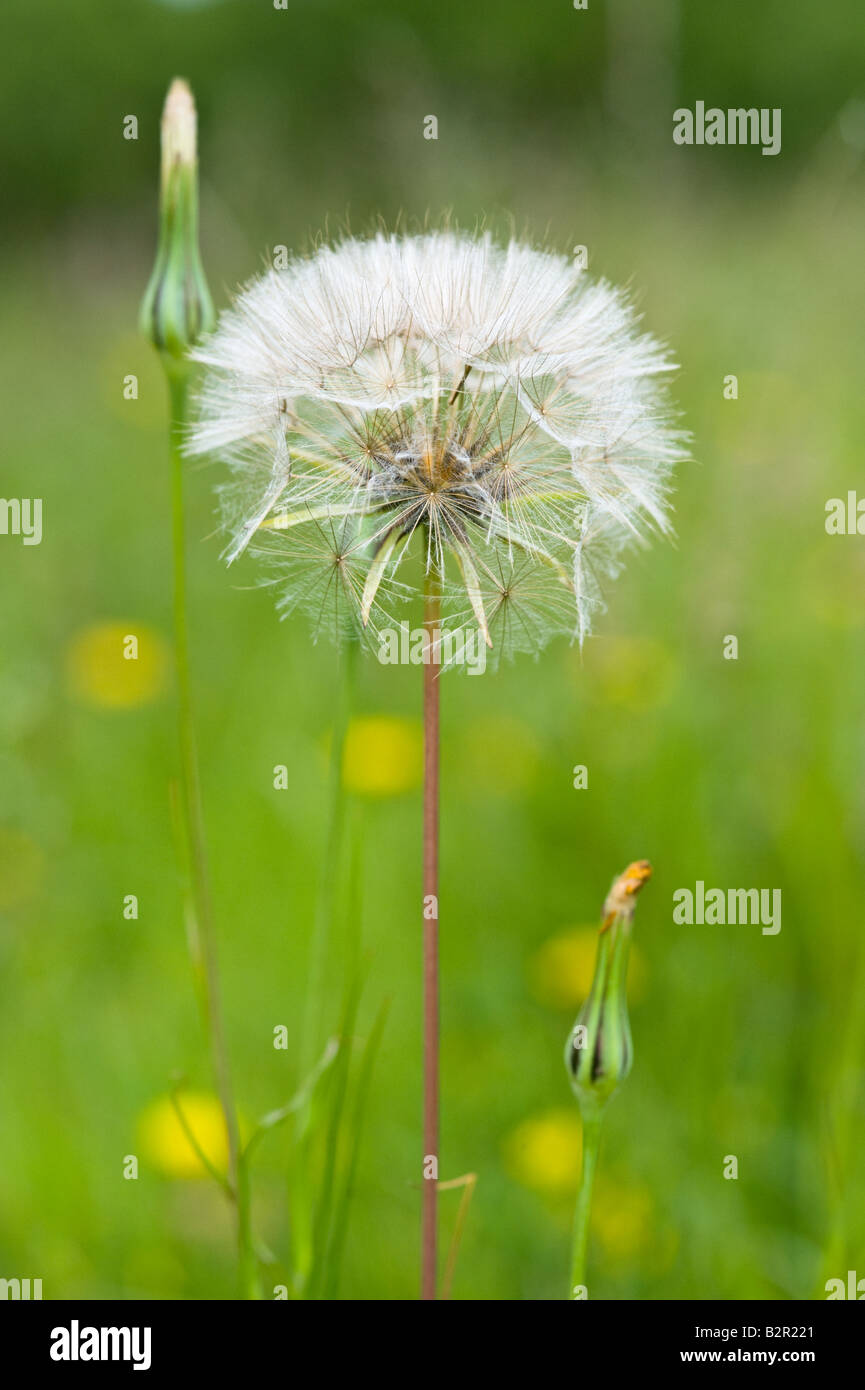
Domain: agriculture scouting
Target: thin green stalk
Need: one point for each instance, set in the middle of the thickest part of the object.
(300, 1196)
(332, 1138)
(340, 1222)
(598, 1052)
(250, 1287)
(324, 912)
(203, 940)
(591, 1145)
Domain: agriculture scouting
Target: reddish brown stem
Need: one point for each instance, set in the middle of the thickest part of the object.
(430, 945)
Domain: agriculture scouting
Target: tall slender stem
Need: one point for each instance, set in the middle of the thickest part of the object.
(310, 1042)
(203, 940)
(302, 1231)
(591, 1144)
(249, 1282)
(430, 939)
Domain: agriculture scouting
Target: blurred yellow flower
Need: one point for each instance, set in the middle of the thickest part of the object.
(165, 1145)
(21, 862)
(637, 673)
(544, 1152)
(560, 971)
(383, 755)
(117, 665)
(622, 1217)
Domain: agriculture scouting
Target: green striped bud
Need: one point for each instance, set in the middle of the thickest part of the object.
(177, 308)
(599, 1053)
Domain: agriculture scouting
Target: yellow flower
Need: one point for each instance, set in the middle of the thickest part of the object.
(117, 665)
(165, 1145)
(561, 970)
(544, 1152)
(383, 755)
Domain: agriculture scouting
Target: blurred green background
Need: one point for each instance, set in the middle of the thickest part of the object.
(741, 773)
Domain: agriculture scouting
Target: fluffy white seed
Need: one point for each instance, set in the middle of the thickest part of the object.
(488, 405)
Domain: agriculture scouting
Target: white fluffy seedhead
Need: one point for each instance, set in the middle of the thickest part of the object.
(489, 404)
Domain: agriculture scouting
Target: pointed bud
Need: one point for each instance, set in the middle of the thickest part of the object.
(598, 1053)
(177, 308)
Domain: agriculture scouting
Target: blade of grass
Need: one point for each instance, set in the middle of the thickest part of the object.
(468, 1182)
(301, 1097)
(207, 1164)
(343, 1202)
(354, 971)
(300, 1201)
(324, 912)
(333, 1133)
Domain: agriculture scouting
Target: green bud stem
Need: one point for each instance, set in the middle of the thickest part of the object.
(200, 912)
(175, 311)
(599, 1051)
(592, 1122)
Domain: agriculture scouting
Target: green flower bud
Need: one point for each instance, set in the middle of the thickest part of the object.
(598, 1053)
(177, 308)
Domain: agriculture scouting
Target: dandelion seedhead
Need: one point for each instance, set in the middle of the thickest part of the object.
(488, 407)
